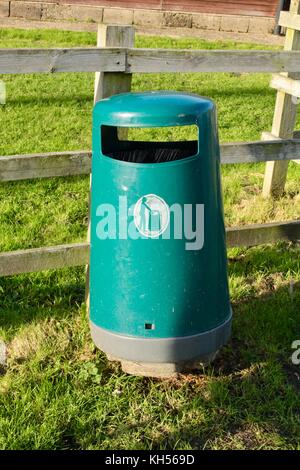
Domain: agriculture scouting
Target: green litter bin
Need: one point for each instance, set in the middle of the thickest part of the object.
(158, 268)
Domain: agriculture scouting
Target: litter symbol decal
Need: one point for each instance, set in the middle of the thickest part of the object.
(151, 215)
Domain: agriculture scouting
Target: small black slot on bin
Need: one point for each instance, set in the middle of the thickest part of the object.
(144, 151)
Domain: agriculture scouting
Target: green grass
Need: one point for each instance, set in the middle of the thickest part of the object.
(58, 391)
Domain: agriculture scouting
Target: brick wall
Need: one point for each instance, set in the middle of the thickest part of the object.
(37, 10)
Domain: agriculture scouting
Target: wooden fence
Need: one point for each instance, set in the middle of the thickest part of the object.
(114, 60)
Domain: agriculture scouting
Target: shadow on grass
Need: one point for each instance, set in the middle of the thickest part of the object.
(32, 297)
(80, 98)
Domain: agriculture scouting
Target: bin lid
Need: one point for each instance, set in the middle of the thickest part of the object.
(151, 109)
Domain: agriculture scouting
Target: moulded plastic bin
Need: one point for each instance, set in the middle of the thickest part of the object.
(158, 267)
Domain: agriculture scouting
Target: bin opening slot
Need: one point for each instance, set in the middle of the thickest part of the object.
(138, 145)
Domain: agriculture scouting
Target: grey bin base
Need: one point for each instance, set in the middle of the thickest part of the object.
(170, 355)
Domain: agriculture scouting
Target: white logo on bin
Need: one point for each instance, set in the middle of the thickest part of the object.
(151, 215)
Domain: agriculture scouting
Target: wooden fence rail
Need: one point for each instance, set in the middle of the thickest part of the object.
(135, 60)
(16, 61)
(166, 60)
(45, 165)
(77, 254)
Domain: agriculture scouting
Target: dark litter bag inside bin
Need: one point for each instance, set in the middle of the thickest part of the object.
(145, 152)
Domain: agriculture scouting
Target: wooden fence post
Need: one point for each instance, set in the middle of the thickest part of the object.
(285, 109)
(107, 84)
